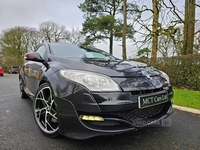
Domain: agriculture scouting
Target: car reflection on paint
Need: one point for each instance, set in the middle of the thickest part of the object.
(82, 92)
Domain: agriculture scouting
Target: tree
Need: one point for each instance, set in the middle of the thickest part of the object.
(35, 39)
(51, 31)
(97, 29)
(15, 42)
(104, 21)
(97, 13)
(74, 36)
(158, 27)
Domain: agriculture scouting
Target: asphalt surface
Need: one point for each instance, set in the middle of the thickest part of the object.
(18, 130)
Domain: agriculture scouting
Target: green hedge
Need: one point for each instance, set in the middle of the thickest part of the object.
(184, 71)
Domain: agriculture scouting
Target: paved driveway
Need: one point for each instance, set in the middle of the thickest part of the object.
(18, 130)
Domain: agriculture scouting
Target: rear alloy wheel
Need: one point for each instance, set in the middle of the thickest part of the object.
(45, 113)
(21, 88)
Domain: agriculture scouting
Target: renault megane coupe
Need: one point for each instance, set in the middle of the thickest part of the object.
(81, 92)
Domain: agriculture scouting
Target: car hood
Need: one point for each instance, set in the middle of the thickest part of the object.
(117, 68)
(130, 75)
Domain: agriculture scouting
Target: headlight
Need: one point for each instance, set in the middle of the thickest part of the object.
(164, 75)
(93, 81)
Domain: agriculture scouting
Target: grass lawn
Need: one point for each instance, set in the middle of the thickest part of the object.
(187, 98)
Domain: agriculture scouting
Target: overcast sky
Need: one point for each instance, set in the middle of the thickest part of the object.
(33, 12)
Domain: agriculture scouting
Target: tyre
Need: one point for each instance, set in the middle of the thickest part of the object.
(44, 110)
(21, 88)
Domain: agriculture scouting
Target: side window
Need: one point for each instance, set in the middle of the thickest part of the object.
(41, 50)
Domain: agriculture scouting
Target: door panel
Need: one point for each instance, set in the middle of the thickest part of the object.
(33, 74)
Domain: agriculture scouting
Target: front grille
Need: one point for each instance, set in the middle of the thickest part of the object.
(146, 91)
(140, 114)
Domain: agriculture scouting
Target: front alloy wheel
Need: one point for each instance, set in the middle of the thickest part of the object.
(45, 111)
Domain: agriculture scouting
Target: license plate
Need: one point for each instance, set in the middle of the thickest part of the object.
(150, 100)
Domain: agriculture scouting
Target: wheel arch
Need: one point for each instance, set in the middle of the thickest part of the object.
(52, 81)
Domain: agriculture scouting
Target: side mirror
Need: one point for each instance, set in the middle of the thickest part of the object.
(34, 56)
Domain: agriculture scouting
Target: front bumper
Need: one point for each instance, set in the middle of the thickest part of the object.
(121, 114)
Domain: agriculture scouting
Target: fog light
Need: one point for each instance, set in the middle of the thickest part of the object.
(92, 118)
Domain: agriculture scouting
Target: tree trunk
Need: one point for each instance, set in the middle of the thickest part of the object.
(154, 29)
(112, 30)
(111, 42)
(124, 30)
(189, 24)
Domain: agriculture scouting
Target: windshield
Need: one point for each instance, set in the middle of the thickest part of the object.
(75, 52)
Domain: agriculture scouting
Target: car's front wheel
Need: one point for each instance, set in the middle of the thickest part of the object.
(45, 113)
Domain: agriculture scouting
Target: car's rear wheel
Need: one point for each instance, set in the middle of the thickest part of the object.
(45, 113)
(21, 87)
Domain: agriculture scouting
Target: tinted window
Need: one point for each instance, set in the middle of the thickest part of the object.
(82, 52)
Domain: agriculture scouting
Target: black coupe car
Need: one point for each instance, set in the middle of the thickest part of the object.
(82, 92)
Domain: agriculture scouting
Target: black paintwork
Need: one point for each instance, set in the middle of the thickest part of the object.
(74, 100)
